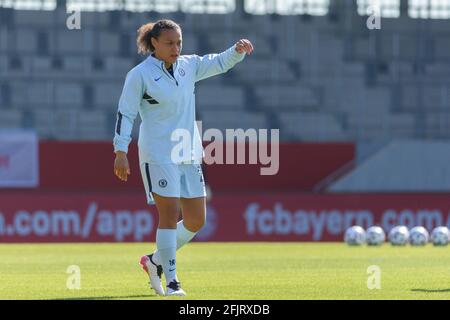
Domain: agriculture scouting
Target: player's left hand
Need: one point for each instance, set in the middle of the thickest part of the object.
(244, 46)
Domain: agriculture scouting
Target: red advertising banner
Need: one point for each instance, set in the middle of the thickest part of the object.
(301, 167)
(113, 217)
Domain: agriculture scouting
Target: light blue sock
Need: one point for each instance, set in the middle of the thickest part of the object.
(166, 242)
(183, 237)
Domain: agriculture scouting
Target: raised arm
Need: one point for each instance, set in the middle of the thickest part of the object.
(213, 64)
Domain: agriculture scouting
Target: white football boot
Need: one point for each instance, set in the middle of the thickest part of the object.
(154, 272)
(174, 289)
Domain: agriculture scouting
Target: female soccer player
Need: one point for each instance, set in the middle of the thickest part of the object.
(161, 89)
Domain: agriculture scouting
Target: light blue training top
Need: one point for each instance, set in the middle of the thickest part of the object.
(167, 103)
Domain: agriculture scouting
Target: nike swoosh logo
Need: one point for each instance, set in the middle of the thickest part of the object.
(157, 79)
(170, 270)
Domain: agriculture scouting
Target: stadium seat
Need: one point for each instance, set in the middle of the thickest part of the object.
(292, 49)
(190, 43)
(306, 65)
(42, 65)
(407, 46)
(401, 24)
(71, 42)
(287, 96)
(44, 123)
(5, 95)
(65, 124)
(206, 97)
(106, 95)
(362, 48)
(442, 48)
(107, 43)
(18, 98)
(439, 26)
(353, 70)
(92, 126)
(264, 71)
(10, 119)
(402, 126)
(381, 126)
(363, 100)
(410, 97)
(26, 40)
(77, 65)
(18, 66)
(223, 120)
(307, 126)
(117, 67)
(39, 93)
(438, 70)
(4, 63)
(263, 23)
(69, 94)
(402, 46)
(435, 96)
(437, 125)
(33, 19)
(4, 35)
(395, 71)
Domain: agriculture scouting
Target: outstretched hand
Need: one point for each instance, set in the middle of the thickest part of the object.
(244, 46)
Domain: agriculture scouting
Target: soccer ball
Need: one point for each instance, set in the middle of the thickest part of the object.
(375, 236)
(398, 236)
(440, 236)
(355, 236)
(418, 236)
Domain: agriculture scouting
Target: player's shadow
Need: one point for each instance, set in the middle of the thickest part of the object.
(110, 297)
(430, 290)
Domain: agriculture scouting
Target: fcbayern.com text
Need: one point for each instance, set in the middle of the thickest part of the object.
(70, 223)
(333, 222)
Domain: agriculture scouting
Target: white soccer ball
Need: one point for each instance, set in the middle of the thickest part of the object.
(399, 235)
(355, 236)
(440, 236)
(375, 236)
(418, 236)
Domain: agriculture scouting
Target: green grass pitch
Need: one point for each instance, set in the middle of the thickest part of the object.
(228, 271)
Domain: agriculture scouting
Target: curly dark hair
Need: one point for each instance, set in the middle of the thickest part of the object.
(152, 30)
